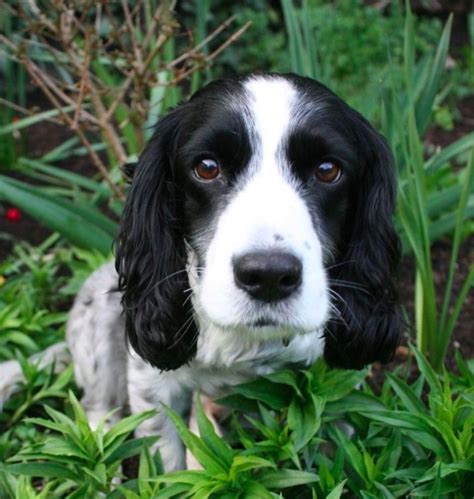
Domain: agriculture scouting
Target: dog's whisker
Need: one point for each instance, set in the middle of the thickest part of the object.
(348, 285)
(339, 297)
(340, 264)
(169, 276)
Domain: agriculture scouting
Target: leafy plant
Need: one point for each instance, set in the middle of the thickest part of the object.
(36, 285)
(420, 204)
(80, 458)
(434, 199)
(399, 444)
(12, 92)
(39, 386)
(310, 433)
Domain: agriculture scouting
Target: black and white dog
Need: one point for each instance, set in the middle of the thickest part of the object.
(257, 234)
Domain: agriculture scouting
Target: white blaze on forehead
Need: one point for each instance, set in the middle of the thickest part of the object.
(270, 103)
(266, 213)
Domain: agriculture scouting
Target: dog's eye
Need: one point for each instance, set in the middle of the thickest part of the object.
(328, 172)
(207, 169)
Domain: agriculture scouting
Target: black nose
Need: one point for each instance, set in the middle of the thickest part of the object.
(268, 275)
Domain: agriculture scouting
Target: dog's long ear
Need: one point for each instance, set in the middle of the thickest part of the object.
(369, 324)
(151, 256)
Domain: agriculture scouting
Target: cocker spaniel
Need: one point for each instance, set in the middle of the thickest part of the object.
(257, 235)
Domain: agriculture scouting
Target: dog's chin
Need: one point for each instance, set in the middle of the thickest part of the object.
(264, 329)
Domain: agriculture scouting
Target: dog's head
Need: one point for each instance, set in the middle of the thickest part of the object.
(271, 201)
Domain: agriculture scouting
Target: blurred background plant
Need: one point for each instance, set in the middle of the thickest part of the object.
(81, 85)
(107, 70)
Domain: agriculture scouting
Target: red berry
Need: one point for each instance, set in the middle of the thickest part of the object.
(13, 215)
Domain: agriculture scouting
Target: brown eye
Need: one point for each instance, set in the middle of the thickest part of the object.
(328, 172)
(207, 169)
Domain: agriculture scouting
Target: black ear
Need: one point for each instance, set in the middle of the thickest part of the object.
(363, 291)
(128, 170)
(151, 256)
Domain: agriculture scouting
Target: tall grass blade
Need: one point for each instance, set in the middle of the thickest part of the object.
(467, 182)
(425, 104)
(61, 216)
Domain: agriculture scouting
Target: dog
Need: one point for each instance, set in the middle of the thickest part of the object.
(257, 235)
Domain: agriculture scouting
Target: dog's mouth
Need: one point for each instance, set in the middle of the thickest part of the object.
(264, 322)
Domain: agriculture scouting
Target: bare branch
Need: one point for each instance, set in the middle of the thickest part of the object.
(102, 62)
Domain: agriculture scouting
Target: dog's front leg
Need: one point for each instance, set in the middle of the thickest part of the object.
(149, 388)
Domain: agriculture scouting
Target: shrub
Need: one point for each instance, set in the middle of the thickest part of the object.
(309, 433)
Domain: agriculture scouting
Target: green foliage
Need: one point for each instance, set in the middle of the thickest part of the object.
(12, 90)
(77, 457)
(426, 204)
(350, 47)
(308, 433)
(36, 285)
(398, 443)
(67, 202)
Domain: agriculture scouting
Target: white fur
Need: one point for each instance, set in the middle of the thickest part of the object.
(267, 213)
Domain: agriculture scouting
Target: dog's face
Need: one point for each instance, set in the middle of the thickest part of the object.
(270, 200)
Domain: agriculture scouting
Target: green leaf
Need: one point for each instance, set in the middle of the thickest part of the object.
(407, 396)
(130, 448)
(32, 120)
(353, 454)
(176, 490)
(190, 477)
(355, 402)
(281, 479)
(196, 446)
(58, 446)
(274, 395)
(304, 418)
(255, 490)
(241, 464)
(70, 178)
(285, 377)
(428, 372)
(461, 146)
(207, 432)
(336, 493)
(337, 383)
(52, 470)
(58, 215)
(442, 470)
(123, 428)
(425, 104)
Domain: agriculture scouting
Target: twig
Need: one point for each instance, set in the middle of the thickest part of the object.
(82, 91)
(211, 56)
(204, 42)
(129, 25)
(95, 158)
(73, 42)
(230, 40)
(23, 110)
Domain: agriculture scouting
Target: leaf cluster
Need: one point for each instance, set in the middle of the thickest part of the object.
(312, 433)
